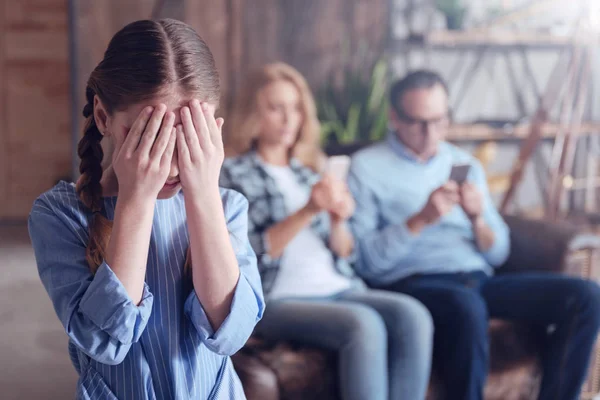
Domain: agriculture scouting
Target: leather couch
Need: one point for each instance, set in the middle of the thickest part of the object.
(291, 371)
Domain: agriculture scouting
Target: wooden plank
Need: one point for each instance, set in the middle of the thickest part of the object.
(210, 20)
(447, 41)
(3, 124)
(95, 24)
(482, 132)
(498, 39)
(235, 49)
(37, 116)
(168, 9)
(261, 31)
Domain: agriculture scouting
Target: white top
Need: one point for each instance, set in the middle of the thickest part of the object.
(307, 266)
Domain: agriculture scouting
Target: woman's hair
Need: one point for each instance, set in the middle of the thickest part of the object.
(244, 124)
(143, 60)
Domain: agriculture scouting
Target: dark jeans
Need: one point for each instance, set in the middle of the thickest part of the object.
(462, 303)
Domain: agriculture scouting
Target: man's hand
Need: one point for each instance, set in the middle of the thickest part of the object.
(441, 201)
(471, 201)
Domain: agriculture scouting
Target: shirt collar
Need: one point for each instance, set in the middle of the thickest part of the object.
(404, 152)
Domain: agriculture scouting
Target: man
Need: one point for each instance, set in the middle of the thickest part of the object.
(422, 234)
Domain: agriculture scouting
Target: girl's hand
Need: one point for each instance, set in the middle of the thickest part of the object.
(200, 149)
(142, 159)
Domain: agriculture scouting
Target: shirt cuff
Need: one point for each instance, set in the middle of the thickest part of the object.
(108, 305)
(237, 327)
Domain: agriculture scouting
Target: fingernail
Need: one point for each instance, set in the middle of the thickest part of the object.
(149, 110)
(205, 106)
(195, 103)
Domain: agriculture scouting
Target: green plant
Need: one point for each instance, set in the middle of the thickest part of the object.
(357, 109)
(454, 12)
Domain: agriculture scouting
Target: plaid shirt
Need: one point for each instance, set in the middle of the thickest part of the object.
(246, 175)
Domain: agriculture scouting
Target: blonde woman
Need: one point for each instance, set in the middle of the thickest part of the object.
(297, 226)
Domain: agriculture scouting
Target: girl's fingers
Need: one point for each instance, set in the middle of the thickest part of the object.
(163, 137)
(167, 155)
(189, 131)
(200, 123)
(213, 128)
(135, 133)
(183, 151)
(152, 129)
(220, 122)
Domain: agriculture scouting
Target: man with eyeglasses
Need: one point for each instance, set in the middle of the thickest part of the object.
(422, 233)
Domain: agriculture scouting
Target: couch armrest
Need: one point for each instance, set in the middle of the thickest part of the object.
(548, 247)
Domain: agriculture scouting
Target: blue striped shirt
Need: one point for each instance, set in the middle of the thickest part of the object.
(164, 348)
(389, 186)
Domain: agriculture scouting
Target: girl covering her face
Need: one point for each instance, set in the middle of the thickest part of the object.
(148, 263)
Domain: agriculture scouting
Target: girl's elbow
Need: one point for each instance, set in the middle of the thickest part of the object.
(110, 355)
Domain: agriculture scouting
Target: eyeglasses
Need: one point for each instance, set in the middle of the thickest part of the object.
(424, 124)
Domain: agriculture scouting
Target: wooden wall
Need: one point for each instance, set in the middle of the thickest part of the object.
(34, 101)
(35, 130)
(244, 34)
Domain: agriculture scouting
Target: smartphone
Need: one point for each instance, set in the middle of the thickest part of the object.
(459, 173)
(338, 166)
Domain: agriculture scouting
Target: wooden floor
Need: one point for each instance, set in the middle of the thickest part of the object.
(34, 363)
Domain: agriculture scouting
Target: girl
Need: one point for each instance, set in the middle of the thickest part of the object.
(297, 223)
(153, 294)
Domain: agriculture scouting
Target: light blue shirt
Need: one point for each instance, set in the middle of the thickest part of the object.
(390, 186)
(164, 348)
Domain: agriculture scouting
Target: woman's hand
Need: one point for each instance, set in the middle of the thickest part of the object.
(343, 206)
(142, 159)
(320, 197)
(200, 149)
(332, 195)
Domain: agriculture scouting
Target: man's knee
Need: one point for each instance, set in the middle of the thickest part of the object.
(468, 315)
(587, 293)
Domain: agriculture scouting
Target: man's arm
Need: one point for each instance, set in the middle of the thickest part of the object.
(379, 249)
(491, 233)
(484, 235)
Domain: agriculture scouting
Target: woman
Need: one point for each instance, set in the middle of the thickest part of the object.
(153, 294)
(297, 226)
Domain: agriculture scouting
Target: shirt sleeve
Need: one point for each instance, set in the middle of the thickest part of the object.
(257, 237)
(498, 253)
(248, 303)
(379, 248)
(97, 313)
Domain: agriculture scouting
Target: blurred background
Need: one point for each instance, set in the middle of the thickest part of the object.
(524, 78)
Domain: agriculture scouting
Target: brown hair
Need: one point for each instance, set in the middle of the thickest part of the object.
(143, 60)
(244, 125)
